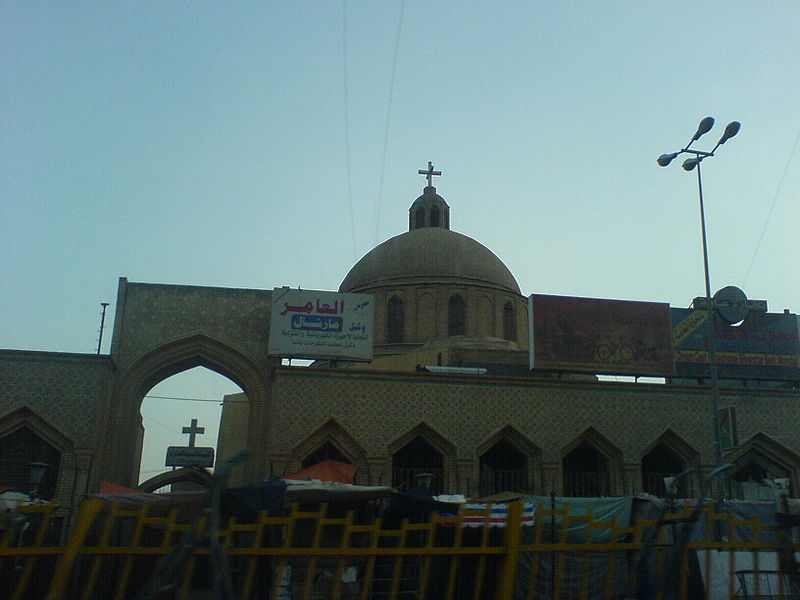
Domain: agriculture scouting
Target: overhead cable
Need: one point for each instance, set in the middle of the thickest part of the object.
(388, 118)
(772, 207)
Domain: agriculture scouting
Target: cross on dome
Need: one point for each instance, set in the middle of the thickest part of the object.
(429, 173)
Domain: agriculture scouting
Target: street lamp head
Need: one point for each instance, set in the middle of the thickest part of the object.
(665, 159)
(691, 163)
(731, 129)
(704, 127)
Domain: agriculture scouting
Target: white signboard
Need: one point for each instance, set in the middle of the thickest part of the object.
(189, 456)
(315, 324)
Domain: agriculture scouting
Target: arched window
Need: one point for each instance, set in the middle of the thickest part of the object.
(509, 322)
(420, 218)
(415, 458)
(18, 451)
(503, 468)
(456, 315)
(434, 216)
(327, 451)
(395, 321)
(586, 472)
(748, 475)
(662, 462)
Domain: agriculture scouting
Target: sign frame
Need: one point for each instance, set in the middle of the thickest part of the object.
(189, 456)
(600, 336)
(318, 324)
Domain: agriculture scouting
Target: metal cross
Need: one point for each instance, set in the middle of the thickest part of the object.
(429, 173)
(193, 430)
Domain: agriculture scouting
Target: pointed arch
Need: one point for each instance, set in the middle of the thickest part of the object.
(508, 461)
(668, 455)
(513, 435)
(27, 438)
(677, 444)
(597, 440)
(199, 350)
(423, 430)
(759, 458)
(331, 433)
(591, 466)
(25, 417)
(422, 450)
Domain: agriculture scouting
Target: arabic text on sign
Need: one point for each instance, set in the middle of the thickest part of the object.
(316, 323)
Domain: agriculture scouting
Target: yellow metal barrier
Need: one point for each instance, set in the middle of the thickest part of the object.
(311, 555)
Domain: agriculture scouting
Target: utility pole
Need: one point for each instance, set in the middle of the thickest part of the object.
(102, 325)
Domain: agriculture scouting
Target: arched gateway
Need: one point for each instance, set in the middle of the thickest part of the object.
(122, 442)
(161, 330)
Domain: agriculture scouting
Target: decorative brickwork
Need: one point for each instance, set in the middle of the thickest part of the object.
(59, 397)
(151, 315)
(58, 387)
(622, 421)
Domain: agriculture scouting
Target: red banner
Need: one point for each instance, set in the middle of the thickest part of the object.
(612, 337)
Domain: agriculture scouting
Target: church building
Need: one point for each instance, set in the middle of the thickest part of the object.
(484, 387)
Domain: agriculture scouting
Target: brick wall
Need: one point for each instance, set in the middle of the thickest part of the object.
(378, 409)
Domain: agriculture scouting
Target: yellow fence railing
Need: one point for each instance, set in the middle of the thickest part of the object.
(118, 553)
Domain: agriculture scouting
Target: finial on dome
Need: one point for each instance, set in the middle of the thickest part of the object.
(430, 209)
(429, 172)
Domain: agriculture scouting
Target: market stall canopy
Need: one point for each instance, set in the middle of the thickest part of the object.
(106, 487)
(327, 470)
(326, 491)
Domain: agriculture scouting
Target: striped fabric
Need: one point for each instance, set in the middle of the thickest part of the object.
(475, 514)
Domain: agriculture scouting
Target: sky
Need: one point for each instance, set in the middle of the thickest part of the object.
(261, 144)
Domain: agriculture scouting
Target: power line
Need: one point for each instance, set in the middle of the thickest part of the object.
(347, 127)
(157, 422)
(388, 115)
(772, 207)
(218, 400)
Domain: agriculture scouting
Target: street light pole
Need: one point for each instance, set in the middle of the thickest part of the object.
(711, 331)
(703, 228)
(690, 163)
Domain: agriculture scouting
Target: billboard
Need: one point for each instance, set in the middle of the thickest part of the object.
(317, 324)
(613, 337)
(764, 346)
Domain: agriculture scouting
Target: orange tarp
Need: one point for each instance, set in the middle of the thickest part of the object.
(106, 487)
(327, 470)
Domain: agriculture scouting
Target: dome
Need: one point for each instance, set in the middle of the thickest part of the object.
(429, 255)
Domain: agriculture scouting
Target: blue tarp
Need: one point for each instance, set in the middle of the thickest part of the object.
(616, 509)
(244, 503)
